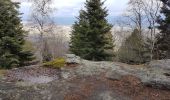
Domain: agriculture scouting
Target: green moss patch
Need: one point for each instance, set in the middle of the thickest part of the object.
(56, 63)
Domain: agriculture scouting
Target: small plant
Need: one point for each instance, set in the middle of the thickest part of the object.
(56, 63)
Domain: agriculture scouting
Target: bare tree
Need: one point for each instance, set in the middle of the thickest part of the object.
(42, 21)
(52, 41)
(142, 15)
(59, 43)
(151, 9)
(132, 19)
(134, 15)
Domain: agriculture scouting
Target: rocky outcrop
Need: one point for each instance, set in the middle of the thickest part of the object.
(72, 59)
(161, 64)
(156, 74)
(126, 70)
(90, 80)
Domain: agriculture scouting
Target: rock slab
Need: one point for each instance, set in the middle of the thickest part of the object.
(156, 74)
(72, 59)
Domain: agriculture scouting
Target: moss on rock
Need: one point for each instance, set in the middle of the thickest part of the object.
(56, 63)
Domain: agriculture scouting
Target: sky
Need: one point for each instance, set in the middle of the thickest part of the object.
(67, 10)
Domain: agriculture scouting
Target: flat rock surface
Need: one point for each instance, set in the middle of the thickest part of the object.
(163, 64)
(88, 81)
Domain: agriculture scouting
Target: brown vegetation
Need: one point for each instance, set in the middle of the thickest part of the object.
(129, 86)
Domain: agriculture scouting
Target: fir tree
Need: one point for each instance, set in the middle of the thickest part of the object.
(133, 50)
(11, 36)
(162, 45)
(91, 37)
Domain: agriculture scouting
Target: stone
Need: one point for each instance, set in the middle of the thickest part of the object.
(106, 96)
(65, 75)
(116, 74)
(72, 59)
(160, 83)
(163, 64)
(157, 74)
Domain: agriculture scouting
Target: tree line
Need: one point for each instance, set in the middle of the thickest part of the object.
(91, 38)
(148, 19)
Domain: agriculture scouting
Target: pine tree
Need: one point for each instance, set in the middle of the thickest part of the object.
(11, 36)
(162, 45)
(133, 50)
(91, 37)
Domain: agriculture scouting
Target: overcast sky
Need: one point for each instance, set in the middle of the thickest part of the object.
(68, 9)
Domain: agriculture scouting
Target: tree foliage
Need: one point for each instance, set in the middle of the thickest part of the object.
(162, 45)
(11, 36)
(91, 37)
(42, 21)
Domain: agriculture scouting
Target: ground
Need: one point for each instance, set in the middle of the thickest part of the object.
(87, 81)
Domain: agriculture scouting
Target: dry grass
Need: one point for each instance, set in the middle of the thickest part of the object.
(2, 72)
(132, 87)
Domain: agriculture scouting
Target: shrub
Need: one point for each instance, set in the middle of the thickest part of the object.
(56, 63)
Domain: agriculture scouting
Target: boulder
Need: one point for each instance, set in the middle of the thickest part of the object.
(157, 82)
(162, 64)
(158, 74)
(72, 59)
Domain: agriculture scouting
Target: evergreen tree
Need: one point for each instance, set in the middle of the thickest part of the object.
(162, 45)
(91, 37)
(11, 36)
(133, 50)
